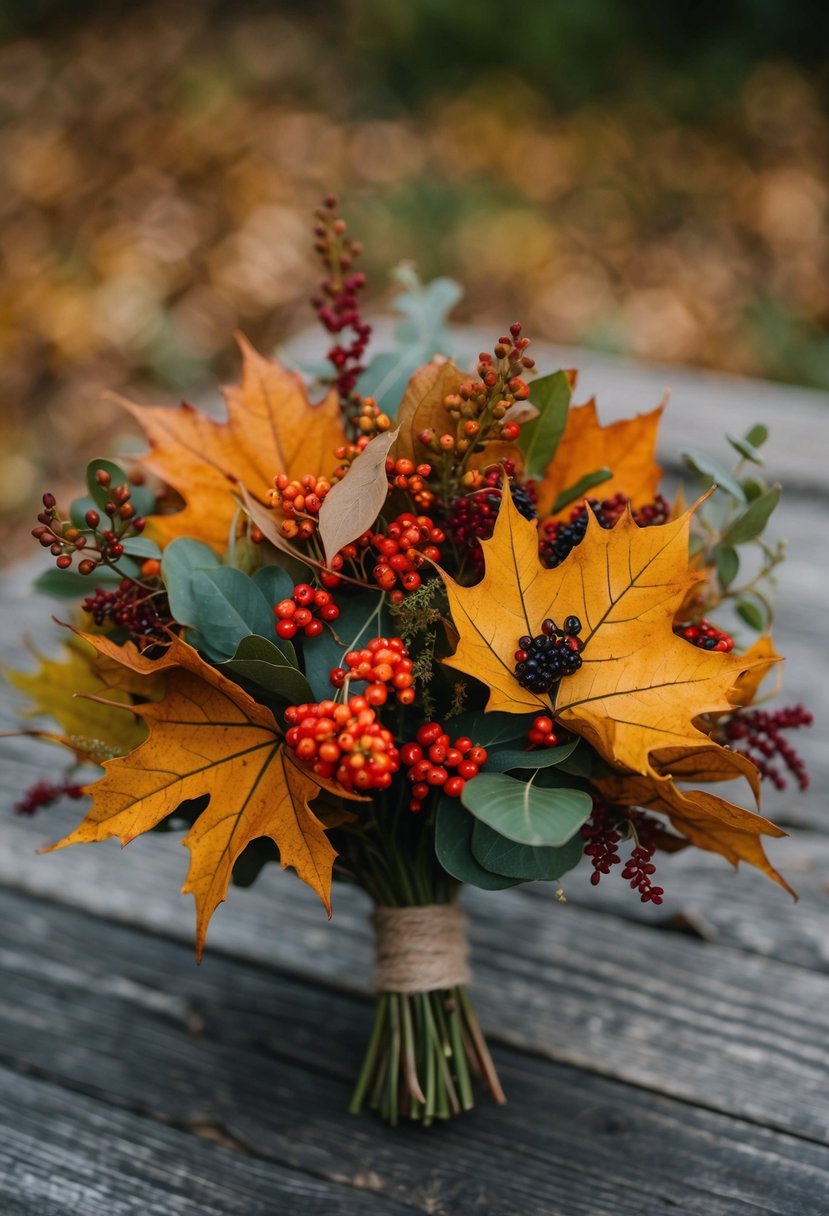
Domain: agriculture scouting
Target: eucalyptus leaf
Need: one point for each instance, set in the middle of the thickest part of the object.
(753, 520)
(757, 436)
(492, 730)
(274, 583)
(181, 559)
(141, 546)
(514, 758)
(714, 473)
(79, 508)
(540, 437)
(580, 488)
(453, 847)
(746, 450)
(525, 812)
(69, 585)
(228, 607)
(751, 614)
(503, 856)
(727, 561)
(261, 662)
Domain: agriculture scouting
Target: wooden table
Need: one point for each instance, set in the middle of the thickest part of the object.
(657, 1060)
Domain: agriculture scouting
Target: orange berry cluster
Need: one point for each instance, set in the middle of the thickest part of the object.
(300, 502)
(298, 612)
(542, 733)
(402, 548)
(344, 742)
(405, 475)
(385, 664)
(431, 758)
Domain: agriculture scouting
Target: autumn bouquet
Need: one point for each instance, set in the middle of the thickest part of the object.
(414, 628)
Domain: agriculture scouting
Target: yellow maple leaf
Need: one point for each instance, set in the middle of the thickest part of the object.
(767, 659)
(627, 447)
(61, 688)
(705, 819)
(208, 736)
(272, 427)
(640, 687)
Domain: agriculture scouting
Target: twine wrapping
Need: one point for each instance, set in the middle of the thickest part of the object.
(420, 949)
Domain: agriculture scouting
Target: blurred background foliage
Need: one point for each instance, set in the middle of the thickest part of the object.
(624, 174)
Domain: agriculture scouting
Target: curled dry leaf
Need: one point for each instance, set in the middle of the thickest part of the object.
(353, 504)
(209, 737)
(272, 427)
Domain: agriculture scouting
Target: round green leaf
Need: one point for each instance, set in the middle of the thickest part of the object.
(503, 856)
(525, 812)
(453, 846)
(261, 662)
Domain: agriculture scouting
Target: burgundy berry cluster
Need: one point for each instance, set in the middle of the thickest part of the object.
(299, 611)
(471, 519)
(435, 762)
(338, 304)
(143, 612)
(604, 832)
(760, 733)
(558, 537)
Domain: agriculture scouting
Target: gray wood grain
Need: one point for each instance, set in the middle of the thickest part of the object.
(65, 1154)
(265, 1062)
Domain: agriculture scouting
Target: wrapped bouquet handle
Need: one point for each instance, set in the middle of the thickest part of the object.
(426, 1045)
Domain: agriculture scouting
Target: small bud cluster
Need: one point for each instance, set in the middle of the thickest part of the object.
(605, 830)
(100, 546)
(543, 660)
(435, 762)
(385, 664)
(401, 549)
(344, 742)
(405, 475)
(471, 519)
(559, 537)
(369, 420)
(307, 609)
(338, 304)
(44, 793)
(706, 636)
(759, 732)
(479, 407)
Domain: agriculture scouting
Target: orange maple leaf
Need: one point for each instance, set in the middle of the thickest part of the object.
(627, 447)
(272, 427)
(208, 736)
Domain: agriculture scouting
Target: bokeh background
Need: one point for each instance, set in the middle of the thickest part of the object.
(621, 174)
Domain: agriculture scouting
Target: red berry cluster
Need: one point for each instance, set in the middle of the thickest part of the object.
(431, 758)
(385, 664)
(64, 540)
(44, 793)
(299, 500)
(331, 578)
(338, 305)
(603, 833)
(759, 731)
(401, 549)
(705, 635)
(144, 614)
(344, 742)
(298, 612)
(404, 474)
(542, 733)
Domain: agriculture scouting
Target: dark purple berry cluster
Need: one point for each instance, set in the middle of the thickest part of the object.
(144, 614)
(543, 660)
(559, 537)
(471, 519)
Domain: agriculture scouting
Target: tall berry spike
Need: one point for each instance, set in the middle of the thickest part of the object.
(338, 304)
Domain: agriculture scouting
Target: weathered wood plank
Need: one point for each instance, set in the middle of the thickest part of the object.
(65, 1154)
(266, 1061)
(698, 1021)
